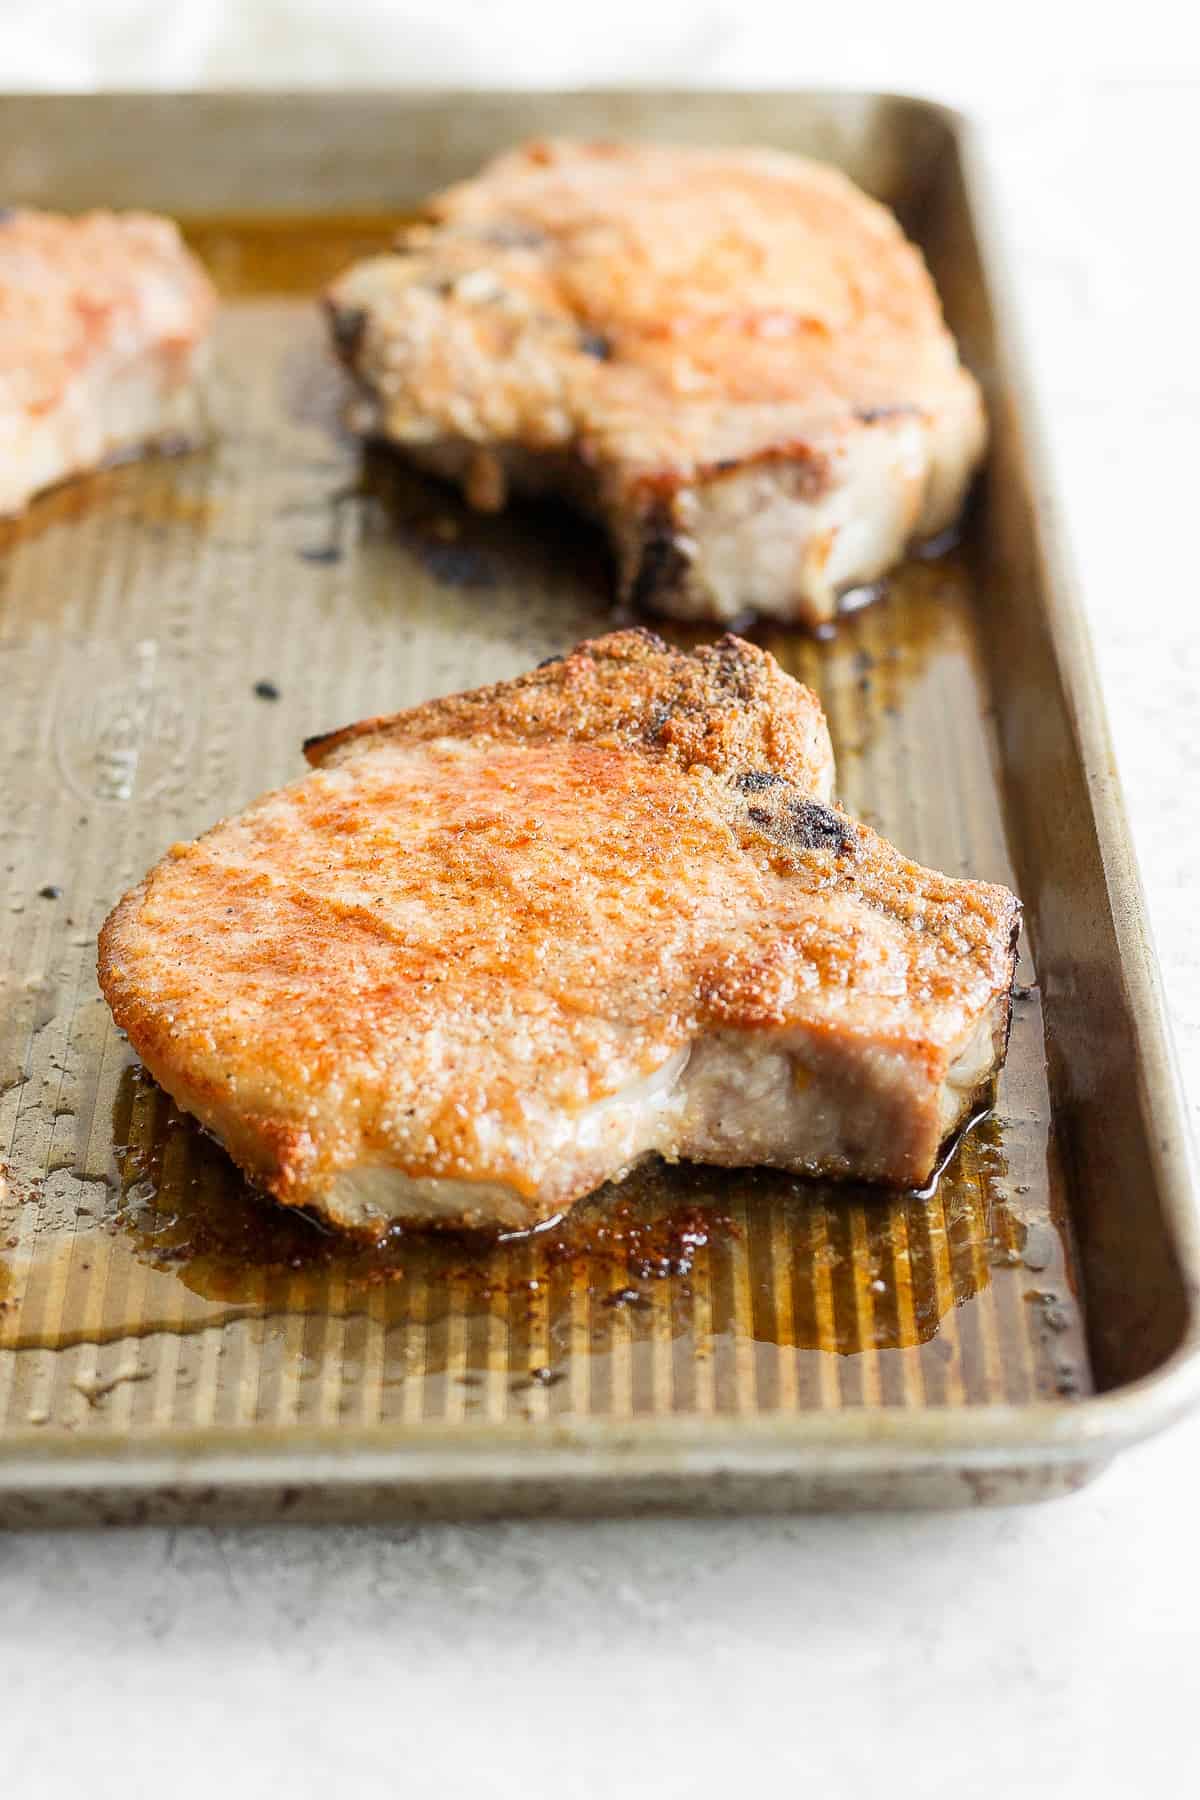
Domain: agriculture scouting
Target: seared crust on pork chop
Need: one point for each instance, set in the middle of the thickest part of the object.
(102, 321)
(733, 358)
(727, 706)
(490, 952)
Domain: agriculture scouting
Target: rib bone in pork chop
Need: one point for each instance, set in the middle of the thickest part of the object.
(492, 951)
(733, 358)
(103, 320)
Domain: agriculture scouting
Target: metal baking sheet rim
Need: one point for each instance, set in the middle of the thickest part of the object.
(1106, 1423)
(962, 1456)
(988, 1455)
(967, 1457)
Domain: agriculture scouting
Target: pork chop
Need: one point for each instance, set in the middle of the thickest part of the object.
(733, 358)
(102, 323)
(492, 951)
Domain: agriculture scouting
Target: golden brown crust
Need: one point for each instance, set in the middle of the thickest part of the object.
(481, 918)
(733, 358)
(727, 705)
(663, 310)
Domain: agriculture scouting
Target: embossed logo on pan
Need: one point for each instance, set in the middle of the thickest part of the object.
(120, 725)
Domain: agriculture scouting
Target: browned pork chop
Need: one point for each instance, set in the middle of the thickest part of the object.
(492, 951)
(102, 321)
(733, 358)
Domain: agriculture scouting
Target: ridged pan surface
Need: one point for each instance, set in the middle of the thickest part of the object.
(169, 632)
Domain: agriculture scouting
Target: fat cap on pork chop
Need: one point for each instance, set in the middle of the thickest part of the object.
(726, 706)
(733, 358)
(490, 952)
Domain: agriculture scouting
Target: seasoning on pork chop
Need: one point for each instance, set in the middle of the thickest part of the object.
(733, 358)
(102, 322)
(492, 951)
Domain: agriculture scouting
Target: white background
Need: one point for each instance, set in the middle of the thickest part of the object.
(1050, 1651)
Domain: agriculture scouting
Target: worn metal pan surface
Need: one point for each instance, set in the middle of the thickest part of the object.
(170, 631)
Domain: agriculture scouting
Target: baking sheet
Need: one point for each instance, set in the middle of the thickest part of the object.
(170, 631)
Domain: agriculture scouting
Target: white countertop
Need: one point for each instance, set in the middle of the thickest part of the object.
(1045, 1651)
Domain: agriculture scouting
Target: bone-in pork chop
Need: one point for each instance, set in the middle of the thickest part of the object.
(492, 951)
(733, 358)
(103, 320)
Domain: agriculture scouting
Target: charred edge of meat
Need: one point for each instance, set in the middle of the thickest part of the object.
(1013, 950)
(663, 566)
(818, 827)
(756, 781)
(594, 343)
(805, 825)
(309, 744)
(739, 675)
(347, 323)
